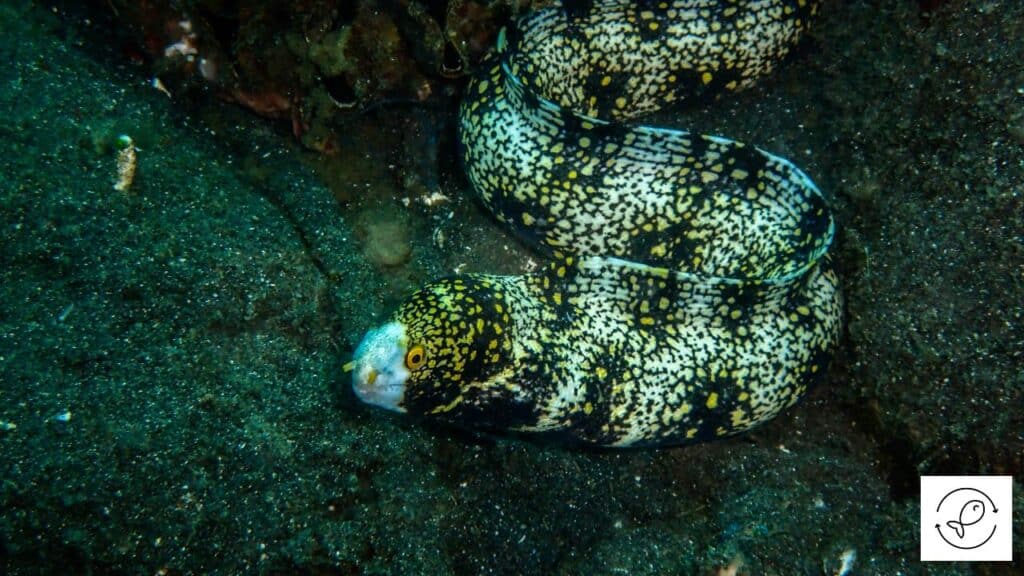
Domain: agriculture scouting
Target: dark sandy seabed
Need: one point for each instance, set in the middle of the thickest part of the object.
(172, 400)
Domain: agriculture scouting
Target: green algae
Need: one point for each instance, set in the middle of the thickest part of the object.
(172, 393)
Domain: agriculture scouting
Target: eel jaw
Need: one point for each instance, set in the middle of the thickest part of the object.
(378, 369)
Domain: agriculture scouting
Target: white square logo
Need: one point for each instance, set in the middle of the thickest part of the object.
(967, 518)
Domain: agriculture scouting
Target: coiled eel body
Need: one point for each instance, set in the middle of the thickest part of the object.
(689, 295)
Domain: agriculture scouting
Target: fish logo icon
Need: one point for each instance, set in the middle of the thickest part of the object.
(972, 513)
(966, 518)
(967, 530)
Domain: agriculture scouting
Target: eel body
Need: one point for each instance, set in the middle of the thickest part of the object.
(690, 293)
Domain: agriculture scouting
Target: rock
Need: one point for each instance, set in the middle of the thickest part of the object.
(385, 238)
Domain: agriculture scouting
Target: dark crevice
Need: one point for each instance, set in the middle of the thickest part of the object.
(452, 65)
(901, 472)
(224, 30)
(340, 90)
(347, 11)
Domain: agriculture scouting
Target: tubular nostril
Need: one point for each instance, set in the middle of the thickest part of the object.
(371, 377)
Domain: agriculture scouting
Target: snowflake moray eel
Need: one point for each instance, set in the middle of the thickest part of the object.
(689, 293)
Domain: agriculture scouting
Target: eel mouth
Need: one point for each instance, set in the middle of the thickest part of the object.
(378, 367)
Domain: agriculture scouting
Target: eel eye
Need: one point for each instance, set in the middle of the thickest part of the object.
(414, 357)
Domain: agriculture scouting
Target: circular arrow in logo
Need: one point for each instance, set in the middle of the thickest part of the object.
(970, 518)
